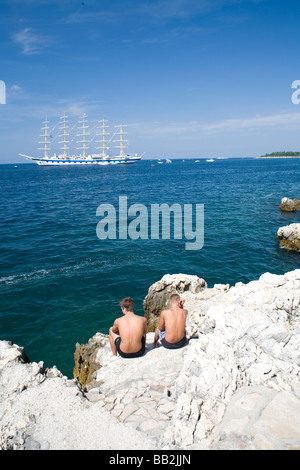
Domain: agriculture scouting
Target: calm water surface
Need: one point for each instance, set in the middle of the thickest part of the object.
(60, 284)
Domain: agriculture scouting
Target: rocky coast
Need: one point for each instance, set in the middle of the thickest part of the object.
(289, 205)
(289, 235)
(235, 385)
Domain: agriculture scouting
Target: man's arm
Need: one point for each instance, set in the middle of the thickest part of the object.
(161, 324)
(145, 332)
(161, 327)
(145, 328)
(115, 327)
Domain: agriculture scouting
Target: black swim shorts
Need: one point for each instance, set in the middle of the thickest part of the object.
(130, 355)
(177, 345)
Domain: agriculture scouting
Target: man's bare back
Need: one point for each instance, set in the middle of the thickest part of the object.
(172, 323)
(131, 328)
(128, 333)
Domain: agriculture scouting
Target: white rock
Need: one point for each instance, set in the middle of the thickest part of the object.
(226, 385)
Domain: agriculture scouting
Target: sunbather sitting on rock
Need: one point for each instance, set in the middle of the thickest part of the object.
(127, 336)
(171, 327)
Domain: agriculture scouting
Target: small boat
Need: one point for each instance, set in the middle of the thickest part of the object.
(210, 160)
(168, 161)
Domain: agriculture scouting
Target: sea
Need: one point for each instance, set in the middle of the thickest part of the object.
(60, 284)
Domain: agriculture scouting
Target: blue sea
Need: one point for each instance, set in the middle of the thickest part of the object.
(60, 284)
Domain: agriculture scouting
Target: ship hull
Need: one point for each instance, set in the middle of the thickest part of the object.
(77, 162)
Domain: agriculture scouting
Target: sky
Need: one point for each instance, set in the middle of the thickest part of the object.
(189, 78)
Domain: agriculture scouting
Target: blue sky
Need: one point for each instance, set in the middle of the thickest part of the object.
(190, 78)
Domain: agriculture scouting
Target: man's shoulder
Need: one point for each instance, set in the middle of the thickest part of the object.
(139, 318)
(166, 310)
(184, 312)
(142, 319)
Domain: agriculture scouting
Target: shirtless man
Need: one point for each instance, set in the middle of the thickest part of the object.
(171, 327)
(128, 332)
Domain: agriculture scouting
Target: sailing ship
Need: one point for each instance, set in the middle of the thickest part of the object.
(84, 158)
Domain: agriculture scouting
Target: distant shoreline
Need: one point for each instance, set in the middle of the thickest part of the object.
(280, 156)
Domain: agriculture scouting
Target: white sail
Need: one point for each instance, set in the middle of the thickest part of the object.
(103, 141)
(84, 135)
(123, 143)
(65, 135)
(46, 142)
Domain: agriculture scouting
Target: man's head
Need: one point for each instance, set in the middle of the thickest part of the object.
(175, 300)
(127, 304)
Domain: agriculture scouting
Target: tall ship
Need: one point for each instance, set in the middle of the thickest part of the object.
(84, 142)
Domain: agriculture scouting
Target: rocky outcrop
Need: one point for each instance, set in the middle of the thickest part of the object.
(252, 340)
(87, 359)
(42, 410)
(235, 385)
(159, 293)
(289, 205)
(289, 237)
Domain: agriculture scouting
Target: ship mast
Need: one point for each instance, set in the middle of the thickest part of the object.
(103, 134)
(64, 135)
(123, 143)
(45, 141)
(83, 135)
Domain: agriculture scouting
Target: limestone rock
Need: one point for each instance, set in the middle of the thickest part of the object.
(159, 294)
(289, 237)
(235, 385)
(287, 205)
(87, 358)
(43, 413)
(297, 204)
(276, 423)
(255, 342)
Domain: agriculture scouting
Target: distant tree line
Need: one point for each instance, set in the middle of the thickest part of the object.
(282, 154)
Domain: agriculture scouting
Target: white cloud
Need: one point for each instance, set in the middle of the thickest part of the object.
(282, 120)
(15, 88)
(31, 42)
(257, 122)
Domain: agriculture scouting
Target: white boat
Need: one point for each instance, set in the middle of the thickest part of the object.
(210, 160)
(82, 159)
(168, 161)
